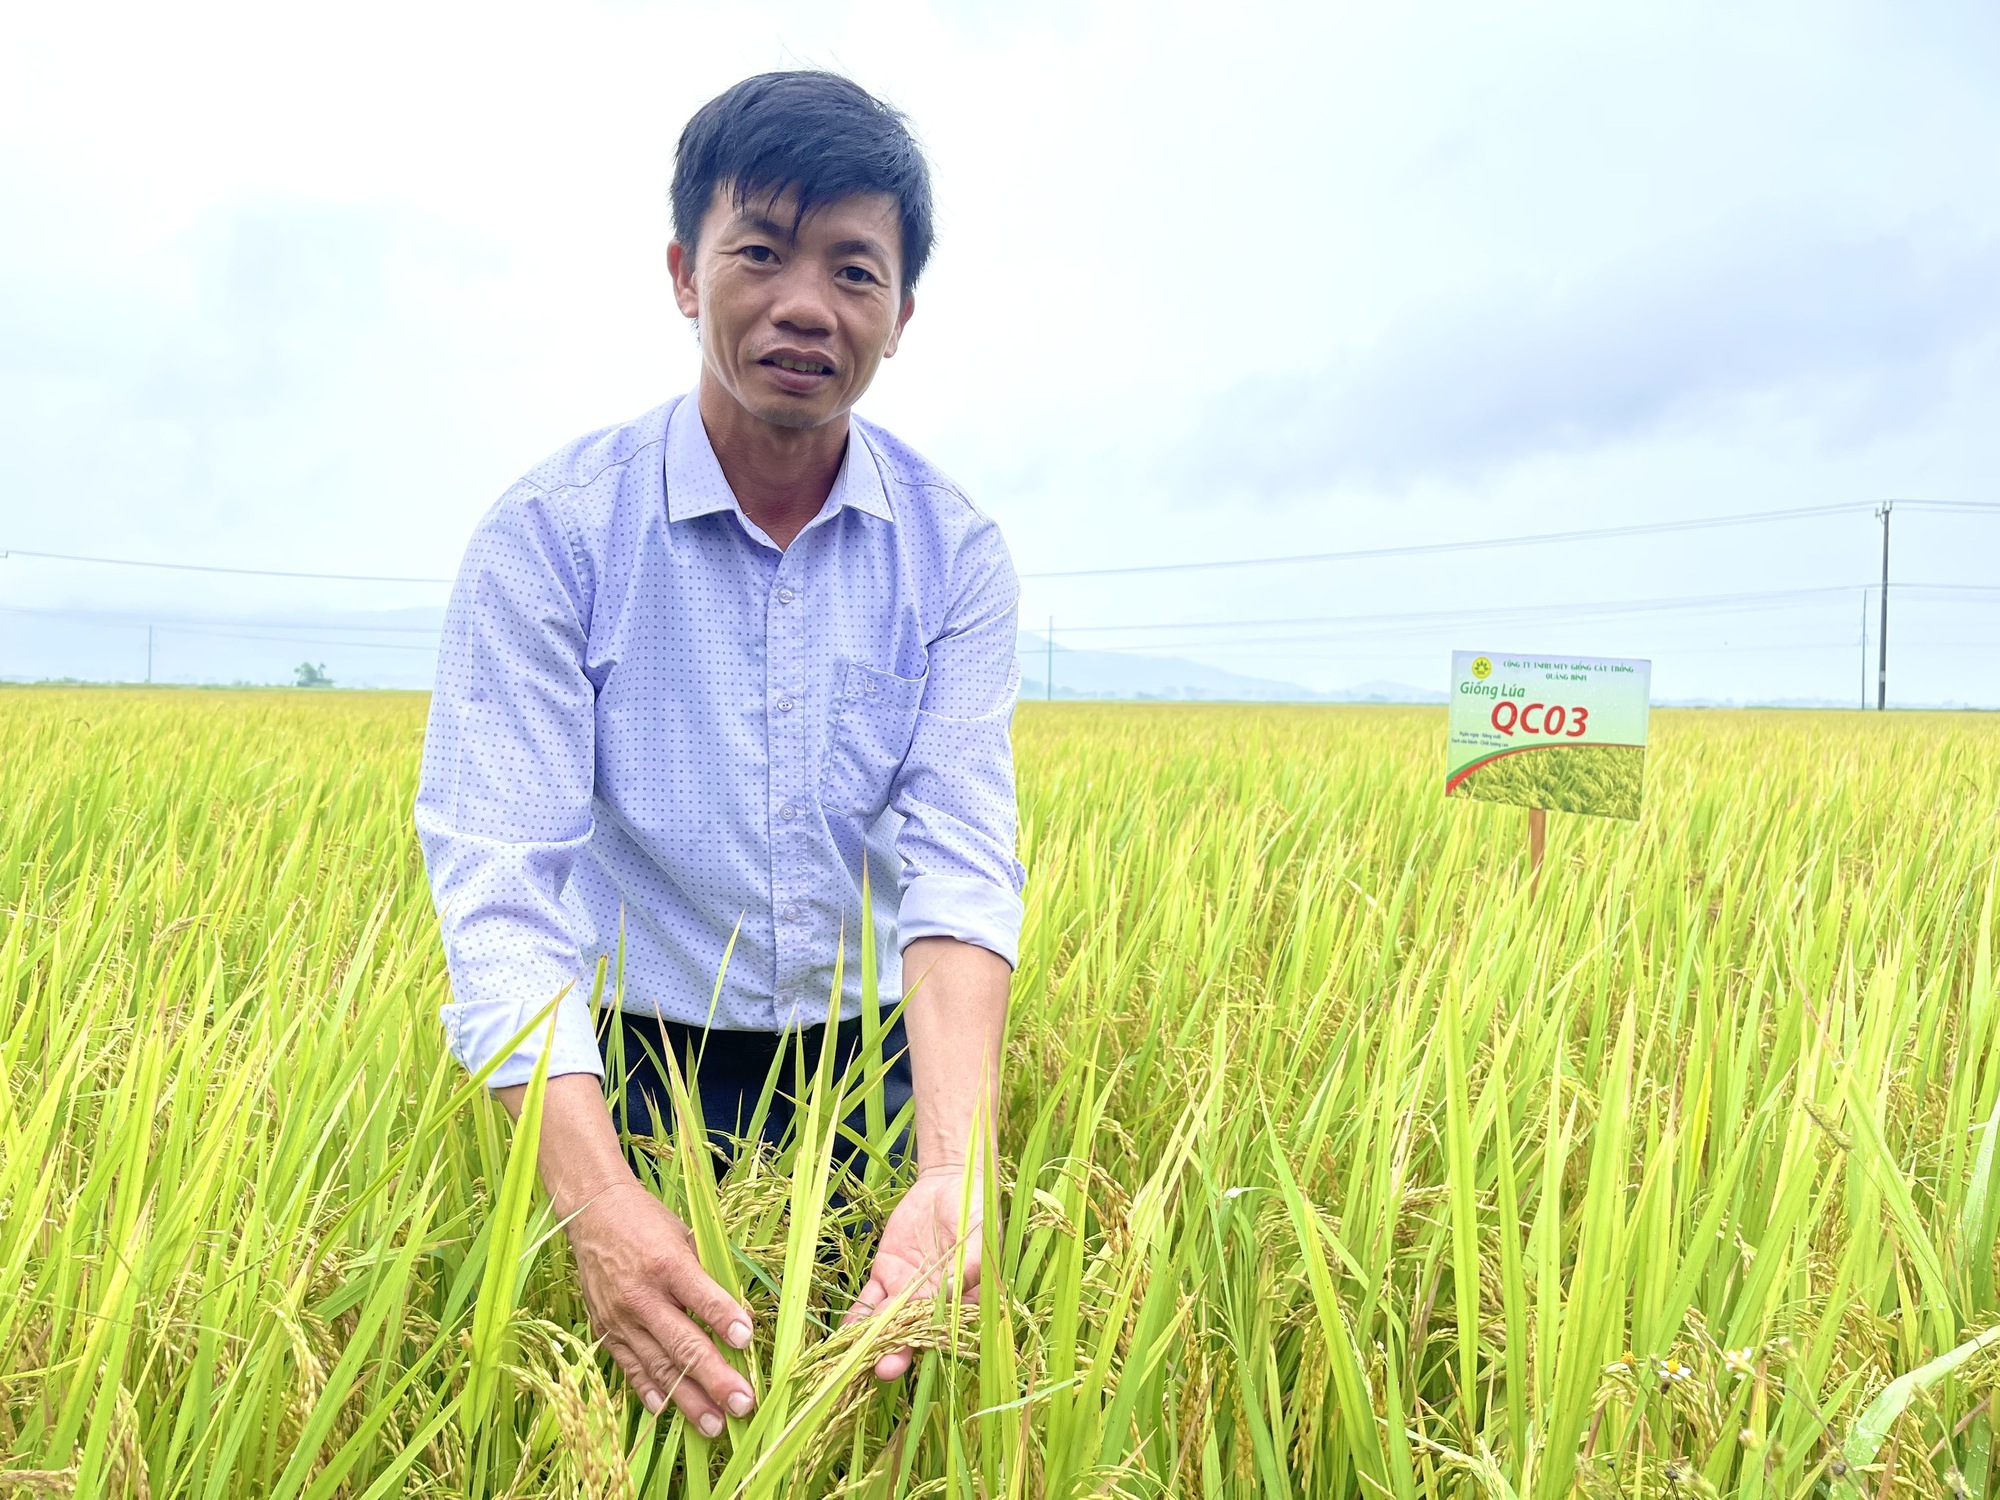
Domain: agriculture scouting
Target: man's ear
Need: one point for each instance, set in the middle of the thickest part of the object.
(680, 266)
(896, 333)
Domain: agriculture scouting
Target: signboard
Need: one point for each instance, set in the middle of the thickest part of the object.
(1567, 732)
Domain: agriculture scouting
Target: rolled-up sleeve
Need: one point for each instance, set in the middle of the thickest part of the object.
(955, 790)
(504, 803)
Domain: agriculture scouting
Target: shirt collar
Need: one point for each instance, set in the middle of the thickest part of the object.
(696, 487)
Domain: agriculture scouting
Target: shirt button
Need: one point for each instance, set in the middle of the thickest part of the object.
(785, 811)
(784, 705)
(785, 596)
(791, 914)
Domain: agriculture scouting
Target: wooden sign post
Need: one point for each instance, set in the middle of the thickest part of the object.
(1563, 732)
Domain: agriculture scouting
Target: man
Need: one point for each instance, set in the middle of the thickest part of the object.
(697, 669)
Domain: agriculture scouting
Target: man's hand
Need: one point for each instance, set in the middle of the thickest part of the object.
(920, 1249)
(636, 1261)
(641, 1280)
(957, 1020)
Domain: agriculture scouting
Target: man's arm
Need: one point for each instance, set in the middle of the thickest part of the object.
(636, 1262)
(503, 810)
(504, 803)
(959, 923)
(956, 1021)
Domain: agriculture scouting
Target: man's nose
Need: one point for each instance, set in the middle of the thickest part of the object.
(801, 303)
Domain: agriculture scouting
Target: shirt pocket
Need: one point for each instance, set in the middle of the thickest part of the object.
(868, 738)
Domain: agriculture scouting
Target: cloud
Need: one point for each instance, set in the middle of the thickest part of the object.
(286, 295)
(257, 360)
(1865, 327)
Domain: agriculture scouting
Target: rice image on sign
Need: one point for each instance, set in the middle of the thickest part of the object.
(1561, 732)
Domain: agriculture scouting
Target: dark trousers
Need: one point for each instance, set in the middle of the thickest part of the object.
(730, 1075)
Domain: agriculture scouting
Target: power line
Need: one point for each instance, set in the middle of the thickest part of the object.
(226, 630)
(1430, 621)
(1601, 533)
(178, 567)
(257, 629)
(1760, 646)
(207, 622)
(1650, 528)
(1523, 611)
(1429, 652)
(1418, 549)
(300, 640)
(1687, 601)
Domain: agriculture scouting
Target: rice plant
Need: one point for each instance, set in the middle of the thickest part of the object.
(1605, 780)
(1335, 1159)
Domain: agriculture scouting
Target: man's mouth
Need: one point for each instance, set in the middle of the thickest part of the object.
(802, 366)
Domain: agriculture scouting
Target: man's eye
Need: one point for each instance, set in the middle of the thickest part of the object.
(761, 254)
(856, 274)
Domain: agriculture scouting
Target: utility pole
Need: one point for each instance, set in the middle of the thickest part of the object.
(1864, 649)
(1049, 668)
(1882, 667)
(149, 653)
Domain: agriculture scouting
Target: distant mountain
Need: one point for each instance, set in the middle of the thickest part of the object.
(1386, 692)
(396, 649)
(1119, 674)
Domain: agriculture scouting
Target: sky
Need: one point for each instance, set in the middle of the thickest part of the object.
(307, 288)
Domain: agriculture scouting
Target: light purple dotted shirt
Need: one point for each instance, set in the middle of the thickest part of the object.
(649, 718)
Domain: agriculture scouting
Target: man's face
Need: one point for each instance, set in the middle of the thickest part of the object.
(794, 326)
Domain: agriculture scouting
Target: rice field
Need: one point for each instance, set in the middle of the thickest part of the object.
(1335, 1160)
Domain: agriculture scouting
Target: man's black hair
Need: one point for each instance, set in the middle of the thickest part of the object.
(820, 135)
